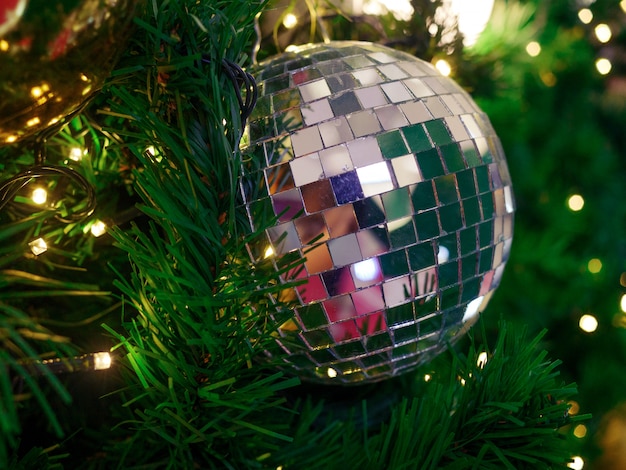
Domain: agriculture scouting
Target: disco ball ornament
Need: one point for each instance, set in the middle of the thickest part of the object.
(54, 54)
(392, 183)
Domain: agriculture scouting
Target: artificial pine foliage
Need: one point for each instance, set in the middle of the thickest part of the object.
(170, 291)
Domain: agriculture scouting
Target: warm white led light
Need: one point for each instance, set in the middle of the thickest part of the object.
(98, 228)
(577, 463)
(332, 373)
(269, 251)
(482, 359)
(603, 32)
(588, 323)
(622, 303)
(444, 67)
(585, 15)
(39, 195)
(76, 154)
(38, 246)
(603, 66)
(575, 202)
(101, 361)
(594, 265)
(290, 21)
(533, 48)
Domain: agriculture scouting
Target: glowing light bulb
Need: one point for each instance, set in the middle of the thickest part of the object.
(4, 45)
(580, 431)
(574, 408)
(269, 252)
(332, 373)
(76, 154)
(38, 246)
(622, 303)
(603, 32)
(482, 359)
(39, 196)
(290, 21)
(594, 266)
(622, 4)
(603, 66)
(585, 15)
(33, 122)
(10, 139)
(533, 48)
(427, 377)
(101, 361)
(444, 67)
(577, 463)
(588, 323)
(575, 202)
(98, 228)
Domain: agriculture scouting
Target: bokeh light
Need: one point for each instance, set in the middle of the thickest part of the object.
(533, 48)
(603, 32)
(603, 66)
(576, 202)
(588, 323)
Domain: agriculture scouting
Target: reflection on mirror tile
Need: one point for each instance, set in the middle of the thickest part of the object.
(346, 187)
(371, 97)
(335, 160)
(392, 72)
(341, 220)
(342, 82)
(397, 204)
(336, 131)
(472, 127)
(368, 300)
(434, 83)
(406, 171)
(418, 88)
(397, 291)
(368, 76)
(287, 204)
(338, 281)
(396, 92)
(344, 103)
(382, 57)
(375, 179)
(316, 111)
(446, 189)
(307, 140)
(284, 238)
(345, 250)
(363, 123)
(358, 62)
(373, 241)
(279, 178)
(391, 117)
(306, 169)
(317, 259)
(416, 112)
(318, 196)
(366, 273)
(339, 308)
(364, 151)
(436, 107)
(457, 129)
(452, 104)
(314, 90)
(312, 291)
(311, 228)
